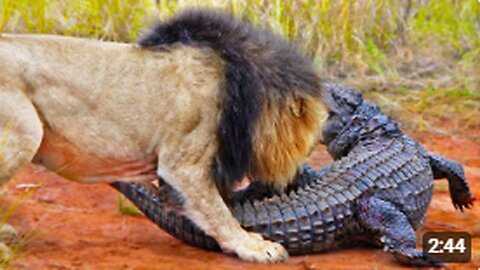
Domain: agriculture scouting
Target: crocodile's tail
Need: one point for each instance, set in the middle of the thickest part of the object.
(145, 197)
(260, 67)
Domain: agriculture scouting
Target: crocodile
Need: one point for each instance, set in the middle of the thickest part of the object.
(376, 191)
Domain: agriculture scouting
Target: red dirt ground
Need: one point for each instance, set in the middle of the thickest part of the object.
(81, 227)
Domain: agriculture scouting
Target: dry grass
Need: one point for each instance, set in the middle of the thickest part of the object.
(18, 248)
(442, 112)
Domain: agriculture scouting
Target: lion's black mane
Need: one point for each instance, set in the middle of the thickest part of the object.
(260, 67)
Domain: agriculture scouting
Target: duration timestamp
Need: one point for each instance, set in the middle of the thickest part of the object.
(448, 246)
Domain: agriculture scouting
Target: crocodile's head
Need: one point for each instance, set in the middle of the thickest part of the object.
(351, 120)
(342, 103)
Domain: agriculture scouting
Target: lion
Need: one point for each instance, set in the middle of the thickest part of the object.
(202, 101)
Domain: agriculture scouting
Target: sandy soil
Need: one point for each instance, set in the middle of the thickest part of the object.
(80, 227)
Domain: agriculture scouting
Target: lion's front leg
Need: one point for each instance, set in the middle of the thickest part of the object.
(206, 208)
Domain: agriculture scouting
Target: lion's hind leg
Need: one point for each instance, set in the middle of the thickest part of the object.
(20, 137)
(21, 132)
(203, 205)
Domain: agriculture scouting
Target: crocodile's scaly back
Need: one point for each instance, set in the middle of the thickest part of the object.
(321, 214)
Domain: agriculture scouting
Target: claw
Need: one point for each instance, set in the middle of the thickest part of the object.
(416, 258)
(463, 200)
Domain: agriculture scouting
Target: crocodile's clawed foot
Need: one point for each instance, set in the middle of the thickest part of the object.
(408, 254)
(417, 258)
(395, 232)
(462, 199)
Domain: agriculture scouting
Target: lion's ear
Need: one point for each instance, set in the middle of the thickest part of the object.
(297, 107)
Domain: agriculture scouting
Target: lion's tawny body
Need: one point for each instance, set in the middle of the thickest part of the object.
(179, 109)
(100, 122)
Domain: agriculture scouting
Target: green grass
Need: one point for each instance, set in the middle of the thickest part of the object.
(125, 207)
(428, 45)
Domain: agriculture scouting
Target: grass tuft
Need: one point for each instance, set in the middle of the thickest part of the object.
(18, 248)
(125, 207)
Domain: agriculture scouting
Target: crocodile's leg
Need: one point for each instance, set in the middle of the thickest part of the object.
(392, 230)
(457, 183)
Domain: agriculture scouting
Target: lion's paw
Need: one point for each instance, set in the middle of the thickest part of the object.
(254, 248)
